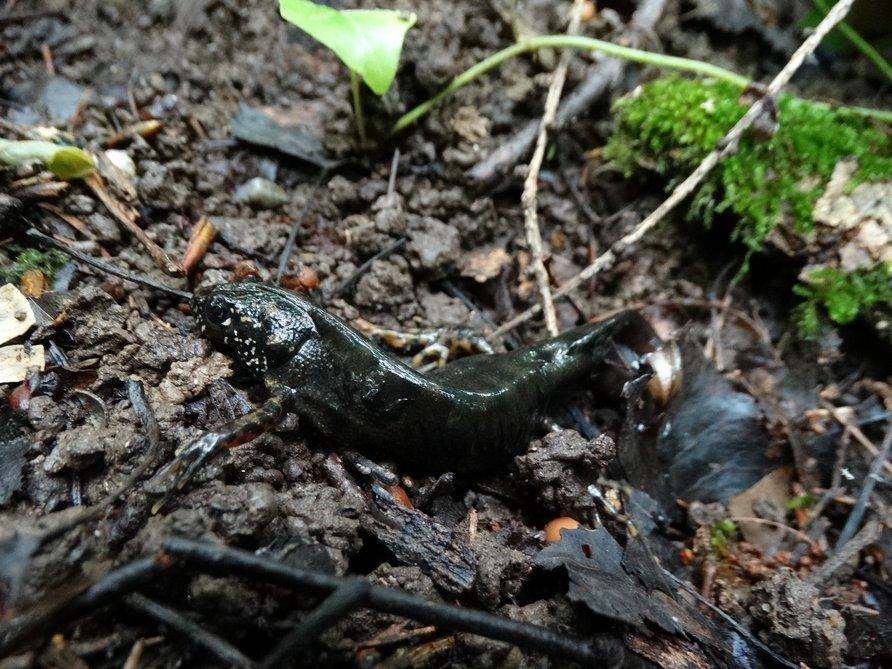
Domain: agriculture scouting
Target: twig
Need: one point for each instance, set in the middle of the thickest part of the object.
(366, 266)
(856, 432)
(529, 198)
(602, 76)
(868, 534)
(295, 227)
(127, 216)
(740, 629)
(176, 621)
(394, 169)
(348, 597)
(108, 268)
(802, 536)
(726, 145)
(873, 475)
(598, 652)
(114, 584)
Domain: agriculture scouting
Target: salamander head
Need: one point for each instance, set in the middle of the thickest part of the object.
(265, 326)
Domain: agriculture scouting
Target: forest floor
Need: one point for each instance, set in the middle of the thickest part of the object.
(804, 415)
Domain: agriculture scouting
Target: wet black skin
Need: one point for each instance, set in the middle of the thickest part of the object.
(467, 416)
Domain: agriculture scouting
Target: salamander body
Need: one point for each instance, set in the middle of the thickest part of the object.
(466, 416)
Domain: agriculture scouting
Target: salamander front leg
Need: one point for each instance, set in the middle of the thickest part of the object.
(192, 457)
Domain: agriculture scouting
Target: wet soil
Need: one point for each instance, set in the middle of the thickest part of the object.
(190, 65)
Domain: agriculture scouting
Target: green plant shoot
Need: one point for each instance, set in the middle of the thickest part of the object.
(66, 162)
(368, 42)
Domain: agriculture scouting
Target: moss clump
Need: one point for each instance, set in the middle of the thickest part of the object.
(841, 295)
(672, 123)
(48, 262)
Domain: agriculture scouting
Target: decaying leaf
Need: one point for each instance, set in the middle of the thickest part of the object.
(762, 500)
(16, 315)
(616, 583)
(267, 127)
(708, 446)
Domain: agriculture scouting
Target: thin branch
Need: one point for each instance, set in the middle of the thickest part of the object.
(348, 597)
(366, 266)
(873, 475)
(529, 199)
(176, 621)
(726, 145)
(288, 249)
(868, 534)
(740, 629)
(107, 267)
(218, 559)
(112, 586)
(856, 432)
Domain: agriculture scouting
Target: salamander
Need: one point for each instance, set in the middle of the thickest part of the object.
(467, 416)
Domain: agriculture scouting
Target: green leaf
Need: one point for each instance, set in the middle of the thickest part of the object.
(70, 162)
(66, 162)
(368, 41)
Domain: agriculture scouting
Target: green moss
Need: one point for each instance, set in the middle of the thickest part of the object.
(672, 123)
(48, 262)
(841, 295)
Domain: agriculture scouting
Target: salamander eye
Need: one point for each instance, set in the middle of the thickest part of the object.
(216, 311)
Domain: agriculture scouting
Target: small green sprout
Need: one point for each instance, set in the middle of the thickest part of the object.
(721, 533)
(66, 162)
(801, 501)
(368, 42)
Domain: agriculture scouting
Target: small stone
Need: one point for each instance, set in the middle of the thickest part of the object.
(260, 193)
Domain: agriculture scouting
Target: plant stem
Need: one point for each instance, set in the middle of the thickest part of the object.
(357, 108)
(860, 43)
(589, 44)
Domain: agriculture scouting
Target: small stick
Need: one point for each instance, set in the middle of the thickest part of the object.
(394, 168)
(856, 432)
(868, 534)
(367, 265)
(47, 54)
(127, 216)
(873, 475)
(106, 267)
(802, 536)
(295, 227)
(348, 597)
(108, 589)
(529, 199)
(726, 145)
(176, 621)
(740, 629)
(599, 652)
(203, 233)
